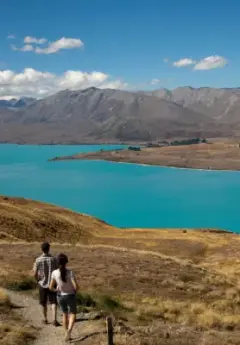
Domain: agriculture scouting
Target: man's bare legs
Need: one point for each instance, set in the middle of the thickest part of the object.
(54, 312)
(44, 308)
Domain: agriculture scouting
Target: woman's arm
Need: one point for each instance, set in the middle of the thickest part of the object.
(74, 282)
(52, 284)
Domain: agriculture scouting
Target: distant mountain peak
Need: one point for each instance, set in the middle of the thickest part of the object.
(221, 104)
(90, 89)
(15, 103)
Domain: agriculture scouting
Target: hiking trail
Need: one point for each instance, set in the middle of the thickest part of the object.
(84, 332)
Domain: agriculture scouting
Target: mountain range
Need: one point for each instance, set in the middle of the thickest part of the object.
(106, 115)
(15, 103)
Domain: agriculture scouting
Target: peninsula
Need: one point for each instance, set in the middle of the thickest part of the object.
(214, 155)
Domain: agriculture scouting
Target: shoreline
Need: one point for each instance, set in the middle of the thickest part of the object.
(74, 144)
(141, 164)
(23, 201)
(167, 166)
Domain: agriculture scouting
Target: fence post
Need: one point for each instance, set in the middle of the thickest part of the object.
(109, 325)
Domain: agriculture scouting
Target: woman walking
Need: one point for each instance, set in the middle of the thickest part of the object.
(66, 290)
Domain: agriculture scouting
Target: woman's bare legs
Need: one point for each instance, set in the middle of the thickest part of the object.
(65, 322)
(71, 321)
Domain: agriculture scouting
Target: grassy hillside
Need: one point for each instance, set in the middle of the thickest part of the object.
(184, 282)
(33, 221)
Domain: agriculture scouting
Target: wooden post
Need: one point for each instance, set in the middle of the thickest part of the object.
(109, 326)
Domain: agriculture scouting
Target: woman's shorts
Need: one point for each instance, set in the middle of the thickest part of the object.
(67, 303)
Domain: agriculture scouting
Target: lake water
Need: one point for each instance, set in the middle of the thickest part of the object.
(125, 195)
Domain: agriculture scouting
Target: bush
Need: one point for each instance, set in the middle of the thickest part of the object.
(22, 285)
(85, 300)
(188, 142)
(102, 302)
(108, 303)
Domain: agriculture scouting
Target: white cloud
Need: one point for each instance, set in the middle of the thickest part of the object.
(207, 63)
(11, 37)
(211, 62)
(184, 62)
(34, 40)
(7, 98)
(52, 48)
(75, 79)
(155, 81)
(33, 83)
(62, 43)
(27, 48)
(114, 84)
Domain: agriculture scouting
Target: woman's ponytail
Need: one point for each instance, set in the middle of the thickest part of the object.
(62, 261)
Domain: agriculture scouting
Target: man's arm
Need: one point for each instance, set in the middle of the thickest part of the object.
(35, 270)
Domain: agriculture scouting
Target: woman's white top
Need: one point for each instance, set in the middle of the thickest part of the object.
(64, 288)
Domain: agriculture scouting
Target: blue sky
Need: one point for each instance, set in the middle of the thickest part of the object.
(132, 44)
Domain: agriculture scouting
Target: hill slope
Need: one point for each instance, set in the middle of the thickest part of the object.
(174, 282)
(28, 220)
(180, 283)
(95, 115)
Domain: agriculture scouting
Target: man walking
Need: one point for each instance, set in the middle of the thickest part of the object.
(43, 268)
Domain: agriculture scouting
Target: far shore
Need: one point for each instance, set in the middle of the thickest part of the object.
(219, 155)
(67, 143)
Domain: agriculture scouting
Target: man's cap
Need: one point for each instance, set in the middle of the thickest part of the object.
(45, 246)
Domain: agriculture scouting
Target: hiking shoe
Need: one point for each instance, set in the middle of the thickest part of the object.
(56, 323)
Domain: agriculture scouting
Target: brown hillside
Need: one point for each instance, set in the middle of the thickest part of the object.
(33, 221)
(182, 282)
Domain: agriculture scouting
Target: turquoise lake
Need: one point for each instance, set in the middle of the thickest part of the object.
(125, 195)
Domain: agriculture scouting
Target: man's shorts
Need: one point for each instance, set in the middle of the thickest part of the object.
(67, 303)
(46, 296)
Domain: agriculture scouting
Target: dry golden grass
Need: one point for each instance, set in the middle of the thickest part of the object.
(12, 330)
(222, 155)
(183, 278)
(220, 314)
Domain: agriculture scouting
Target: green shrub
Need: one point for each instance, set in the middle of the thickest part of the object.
(22, 285)
(85, 300)
(104, 302)
(108, 303)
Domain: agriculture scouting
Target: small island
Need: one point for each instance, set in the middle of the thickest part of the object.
(206, 154)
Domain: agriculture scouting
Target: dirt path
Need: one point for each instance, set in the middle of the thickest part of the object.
(49, 335)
